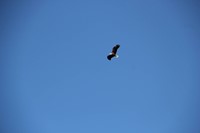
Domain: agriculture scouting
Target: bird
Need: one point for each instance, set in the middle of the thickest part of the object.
(114, 52)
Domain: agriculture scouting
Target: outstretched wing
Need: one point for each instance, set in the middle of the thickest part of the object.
(115, 48)
(110, 56)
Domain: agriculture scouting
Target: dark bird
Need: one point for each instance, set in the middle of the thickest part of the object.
(114, 52)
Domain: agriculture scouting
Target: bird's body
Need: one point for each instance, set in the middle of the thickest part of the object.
(114, 52)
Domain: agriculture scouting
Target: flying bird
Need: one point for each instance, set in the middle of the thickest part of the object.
(114, 52)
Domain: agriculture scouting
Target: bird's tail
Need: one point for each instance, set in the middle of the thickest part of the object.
(116, 56)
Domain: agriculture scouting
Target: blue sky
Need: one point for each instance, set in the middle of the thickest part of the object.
(55, 77)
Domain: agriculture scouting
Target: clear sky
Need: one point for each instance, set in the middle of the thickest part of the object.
(55, 77)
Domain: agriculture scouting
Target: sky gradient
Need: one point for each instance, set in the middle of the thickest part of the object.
(55, 77)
